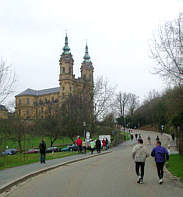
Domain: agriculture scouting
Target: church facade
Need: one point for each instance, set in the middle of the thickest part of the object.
(36, 104)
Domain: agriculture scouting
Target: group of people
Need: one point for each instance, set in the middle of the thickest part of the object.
(82, 145)
(139, 154)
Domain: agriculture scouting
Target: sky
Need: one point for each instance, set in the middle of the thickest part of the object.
(118, 32)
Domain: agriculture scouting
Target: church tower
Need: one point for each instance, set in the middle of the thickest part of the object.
(66, 71)
(87, 67)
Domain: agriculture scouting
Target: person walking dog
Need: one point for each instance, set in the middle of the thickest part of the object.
(161, 155)
(139, 154)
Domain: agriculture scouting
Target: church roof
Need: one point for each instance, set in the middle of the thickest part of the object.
(31, 92)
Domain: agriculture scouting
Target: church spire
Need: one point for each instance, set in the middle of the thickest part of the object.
(86, 57)
(66, 48)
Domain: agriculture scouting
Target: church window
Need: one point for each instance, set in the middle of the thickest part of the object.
(42, 109)
(27, 113)
(63, 70)
(84, 77)
(70, 89)
(19, 101)
(19, 112)
(28, 101)
(63, 95)
(70, 70)
(63, 88)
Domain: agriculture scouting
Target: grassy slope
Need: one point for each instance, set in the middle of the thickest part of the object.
(34, 142)
(175, 165)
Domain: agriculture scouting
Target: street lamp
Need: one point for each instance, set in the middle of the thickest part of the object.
(84, 125)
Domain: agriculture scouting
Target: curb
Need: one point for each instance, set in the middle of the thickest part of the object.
(17, 181)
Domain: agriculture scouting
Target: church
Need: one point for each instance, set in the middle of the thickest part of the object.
(36, 104)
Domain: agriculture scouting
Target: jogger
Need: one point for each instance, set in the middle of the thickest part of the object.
(161, 155)
(139, 154)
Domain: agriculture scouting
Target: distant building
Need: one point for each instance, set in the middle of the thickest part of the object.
(3, 112)
(35, 104)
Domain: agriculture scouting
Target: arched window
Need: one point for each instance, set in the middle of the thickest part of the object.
(28, 101)
(63, 69)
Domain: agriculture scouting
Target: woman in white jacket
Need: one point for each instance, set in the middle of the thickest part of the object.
(139, 154)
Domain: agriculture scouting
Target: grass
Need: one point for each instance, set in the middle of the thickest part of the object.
(175, 165)
(20, 159)
(33, 142)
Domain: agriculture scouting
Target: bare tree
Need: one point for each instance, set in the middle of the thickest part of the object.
(122, 99)
(103, 97)
(7, 81)
(167, 50)
(133, 103)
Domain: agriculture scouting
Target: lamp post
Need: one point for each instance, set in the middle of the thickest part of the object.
(84, 125)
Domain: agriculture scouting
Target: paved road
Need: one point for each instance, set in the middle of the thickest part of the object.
(110, 175)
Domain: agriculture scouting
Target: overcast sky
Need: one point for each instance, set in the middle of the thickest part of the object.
(32, 36)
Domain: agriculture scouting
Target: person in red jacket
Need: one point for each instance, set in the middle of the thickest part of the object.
(79, 144)
(104, 144)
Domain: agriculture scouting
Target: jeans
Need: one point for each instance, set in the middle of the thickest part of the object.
(160, 166)
(139, 166)
(42, 157)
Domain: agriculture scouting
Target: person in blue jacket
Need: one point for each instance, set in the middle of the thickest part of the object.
(161, 155)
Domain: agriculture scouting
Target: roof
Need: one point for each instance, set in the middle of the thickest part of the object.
(3, 108)
(31, 92)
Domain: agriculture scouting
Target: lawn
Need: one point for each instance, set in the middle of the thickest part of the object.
(19, 159)
(33, 142)
(175, 165)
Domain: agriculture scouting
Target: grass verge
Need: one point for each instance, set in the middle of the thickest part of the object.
(20, 159)
(175, 165)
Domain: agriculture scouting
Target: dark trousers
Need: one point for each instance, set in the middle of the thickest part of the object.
(42, 157)
(98, 149)
(92, 149)
(80, 149)
(139, 167)
(160, 166)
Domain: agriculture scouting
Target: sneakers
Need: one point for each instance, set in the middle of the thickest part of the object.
(160, 181)
(138, 179)
(141, 181)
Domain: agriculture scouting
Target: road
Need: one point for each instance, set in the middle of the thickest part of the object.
(110, 175)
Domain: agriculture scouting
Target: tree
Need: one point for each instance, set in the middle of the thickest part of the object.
(167, 50)
(50, 128)
(74, 111)
(122, 100)
(7, 81)
(133, 103)
(103, 98)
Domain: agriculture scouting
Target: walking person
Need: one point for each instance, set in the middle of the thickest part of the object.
(98, 145)
(139, 154)
(104, 144)
(149, 140)
(161, 155)
(92, 146)
(107, 143)
(157, 138)
(79, 144)
(42, 148)
(84, 146)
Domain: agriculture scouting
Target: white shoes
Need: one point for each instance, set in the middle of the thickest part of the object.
(160, 181)
(138, 179)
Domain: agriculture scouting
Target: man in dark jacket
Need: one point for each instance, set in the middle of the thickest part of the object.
(42, 148)
(98, 145)
(161, 155)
